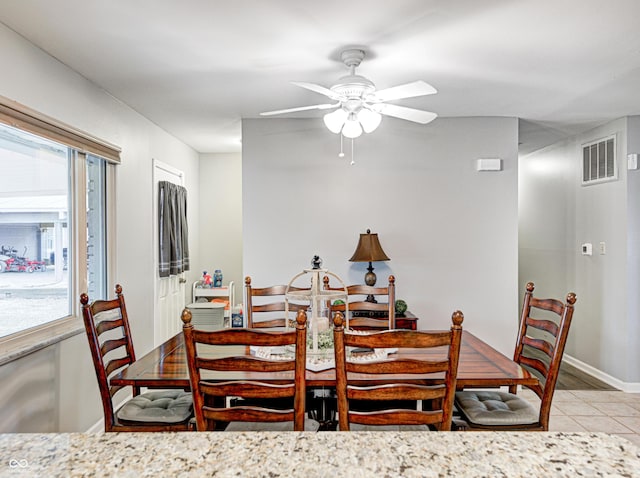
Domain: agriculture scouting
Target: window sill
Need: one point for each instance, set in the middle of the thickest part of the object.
(19, 345)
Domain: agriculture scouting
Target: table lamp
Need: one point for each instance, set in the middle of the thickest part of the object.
(369, 250)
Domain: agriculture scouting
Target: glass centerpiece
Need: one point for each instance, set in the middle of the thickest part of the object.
(319, 326)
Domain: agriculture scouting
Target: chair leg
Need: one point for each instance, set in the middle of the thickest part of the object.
(459, 425)
(192, 425)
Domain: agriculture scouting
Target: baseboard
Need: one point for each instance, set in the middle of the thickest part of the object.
(98, 427)
(628, 387)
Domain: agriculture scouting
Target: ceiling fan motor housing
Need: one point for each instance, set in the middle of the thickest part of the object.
(353, 86)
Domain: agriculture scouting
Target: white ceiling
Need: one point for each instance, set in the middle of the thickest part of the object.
(197, 67)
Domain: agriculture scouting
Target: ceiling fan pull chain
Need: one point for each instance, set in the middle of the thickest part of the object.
(353, 161)
(341, 153)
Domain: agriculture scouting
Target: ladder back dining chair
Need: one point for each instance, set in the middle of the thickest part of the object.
(107, 327)
(226, 351)
(539, 347)
(265, 306)
(368, 315)
(436, 400)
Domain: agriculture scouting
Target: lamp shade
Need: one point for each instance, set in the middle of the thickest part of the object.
(369, 249)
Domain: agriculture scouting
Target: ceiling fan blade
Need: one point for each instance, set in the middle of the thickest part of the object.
(409, 90)
(325, 106)
(402, 112)
(318, 89)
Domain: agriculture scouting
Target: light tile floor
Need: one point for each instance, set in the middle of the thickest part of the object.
(606, 411)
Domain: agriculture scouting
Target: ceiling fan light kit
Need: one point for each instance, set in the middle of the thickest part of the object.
(352, 128)
(334, 121)
(370, 120)
(359, 107)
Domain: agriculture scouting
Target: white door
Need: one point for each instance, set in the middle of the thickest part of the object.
(169, 291)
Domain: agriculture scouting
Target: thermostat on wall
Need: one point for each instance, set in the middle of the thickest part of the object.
(587, 249)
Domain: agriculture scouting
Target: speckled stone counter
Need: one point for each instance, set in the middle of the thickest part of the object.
(324, 454)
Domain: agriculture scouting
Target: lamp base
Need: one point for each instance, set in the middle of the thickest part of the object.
(370, 279)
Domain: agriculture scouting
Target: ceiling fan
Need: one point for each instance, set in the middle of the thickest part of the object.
(358, 106)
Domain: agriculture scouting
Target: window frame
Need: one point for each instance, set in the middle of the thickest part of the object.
(35, 338)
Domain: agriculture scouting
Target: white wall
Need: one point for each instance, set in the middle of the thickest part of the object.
(601, 215)
(546, 219)
(450, 231)
(44, 84)
(220, 218)
(633, 254)
(557, 215)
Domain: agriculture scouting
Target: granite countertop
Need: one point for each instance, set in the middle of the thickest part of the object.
(324, 454)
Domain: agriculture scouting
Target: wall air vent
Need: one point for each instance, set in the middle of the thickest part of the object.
(599, 161)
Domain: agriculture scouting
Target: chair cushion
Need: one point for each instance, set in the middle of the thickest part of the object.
(309, 426)
(162, 406)
(495, 408)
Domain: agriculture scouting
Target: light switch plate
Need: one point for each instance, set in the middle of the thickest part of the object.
(632, 161)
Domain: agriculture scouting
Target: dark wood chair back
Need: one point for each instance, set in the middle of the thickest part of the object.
(106, 324)
(438, 415)
(540, 343)
(209, 395)
(369, 315)
(273, 311)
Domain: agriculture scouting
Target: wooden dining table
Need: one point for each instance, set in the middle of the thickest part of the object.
(480, 366)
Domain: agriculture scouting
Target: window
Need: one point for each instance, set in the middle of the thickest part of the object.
(54, 221)
(36, 224)
(34, 230)
(599, 161)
